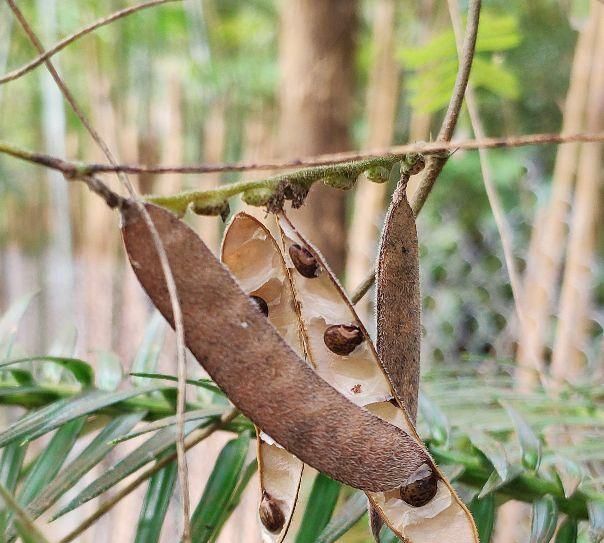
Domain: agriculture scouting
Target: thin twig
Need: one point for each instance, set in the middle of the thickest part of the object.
(163, 258)
(426, 149)
(193, 439)
(501, 222)
(435, 164)
(26, 68)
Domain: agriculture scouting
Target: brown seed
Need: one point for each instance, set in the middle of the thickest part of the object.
(304, 261)
(342, 339)
(270, 513)
(421, 486)
(261, 303)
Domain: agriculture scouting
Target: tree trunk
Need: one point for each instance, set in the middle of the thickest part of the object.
(547, 242)
(382, 99)
(317, 69)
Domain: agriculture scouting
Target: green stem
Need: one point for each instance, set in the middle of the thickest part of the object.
(259, 192)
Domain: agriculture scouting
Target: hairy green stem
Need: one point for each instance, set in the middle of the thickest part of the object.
(272, 191)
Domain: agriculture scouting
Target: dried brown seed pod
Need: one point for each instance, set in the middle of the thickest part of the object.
(323, 300)
(261, 303)
(253, 256)
(271, 515)
(297, 408)
(342, 339)
(397, 282)
(421, 487)
(304, 261)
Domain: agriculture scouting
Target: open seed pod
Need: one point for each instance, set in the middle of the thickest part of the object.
(425, 508)
(259, 372)
(253, 257)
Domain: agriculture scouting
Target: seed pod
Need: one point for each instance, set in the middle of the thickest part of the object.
(257, 370)
(253, 256)
(212, 207)
(257, 197)
(421, 487)
(397, 279)
(304, 261)
(271, 515)
(262, 305)
(342, 182)
(362, 379)
(378, 174)
(413, 164)
(342, 339)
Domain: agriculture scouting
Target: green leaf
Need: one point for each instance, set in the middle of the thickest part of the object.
(79, 369)
(148, 352)
(10, 467)
(495, 482)
(196, 414)
(22, 377)
(208, 384)
(544, 519)
(72, 474)
(483, 511)
(145, 453)
(235, 498)
(50, 460)
(27, 530)
(62, 411)
(529, 442)
(348, 515)
(155, 505)
(219, 489)
(319, 509)
(435, 418)
(493, 450)
(568, 531)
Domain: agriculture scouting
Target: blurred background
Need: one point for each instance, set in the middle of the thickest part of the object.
(221, 80)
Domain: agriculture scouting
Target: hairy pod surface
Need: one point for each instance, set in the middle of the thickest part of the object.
(398, 304)
(425, 507)
(259, 372)
(253, 257)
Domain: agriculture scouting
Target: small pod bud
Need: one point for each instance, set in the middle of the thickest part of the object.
(342, 182)
(413, 164)
(257, 197)
(304, 261)
(212, 207)
(421, 487)
(342, 339)
(261, 303)
(271, 515)
(378, 174)
(295, 192)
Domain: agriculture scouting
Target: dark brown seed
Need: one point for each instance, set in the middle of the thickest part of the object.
(270, 513)
(261, 303)
(304, 261)
(342, 339)
(421, 486)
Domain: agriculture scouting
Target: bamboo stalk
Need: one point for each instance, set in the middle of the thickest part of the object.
(577, 286)
(548, 237)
